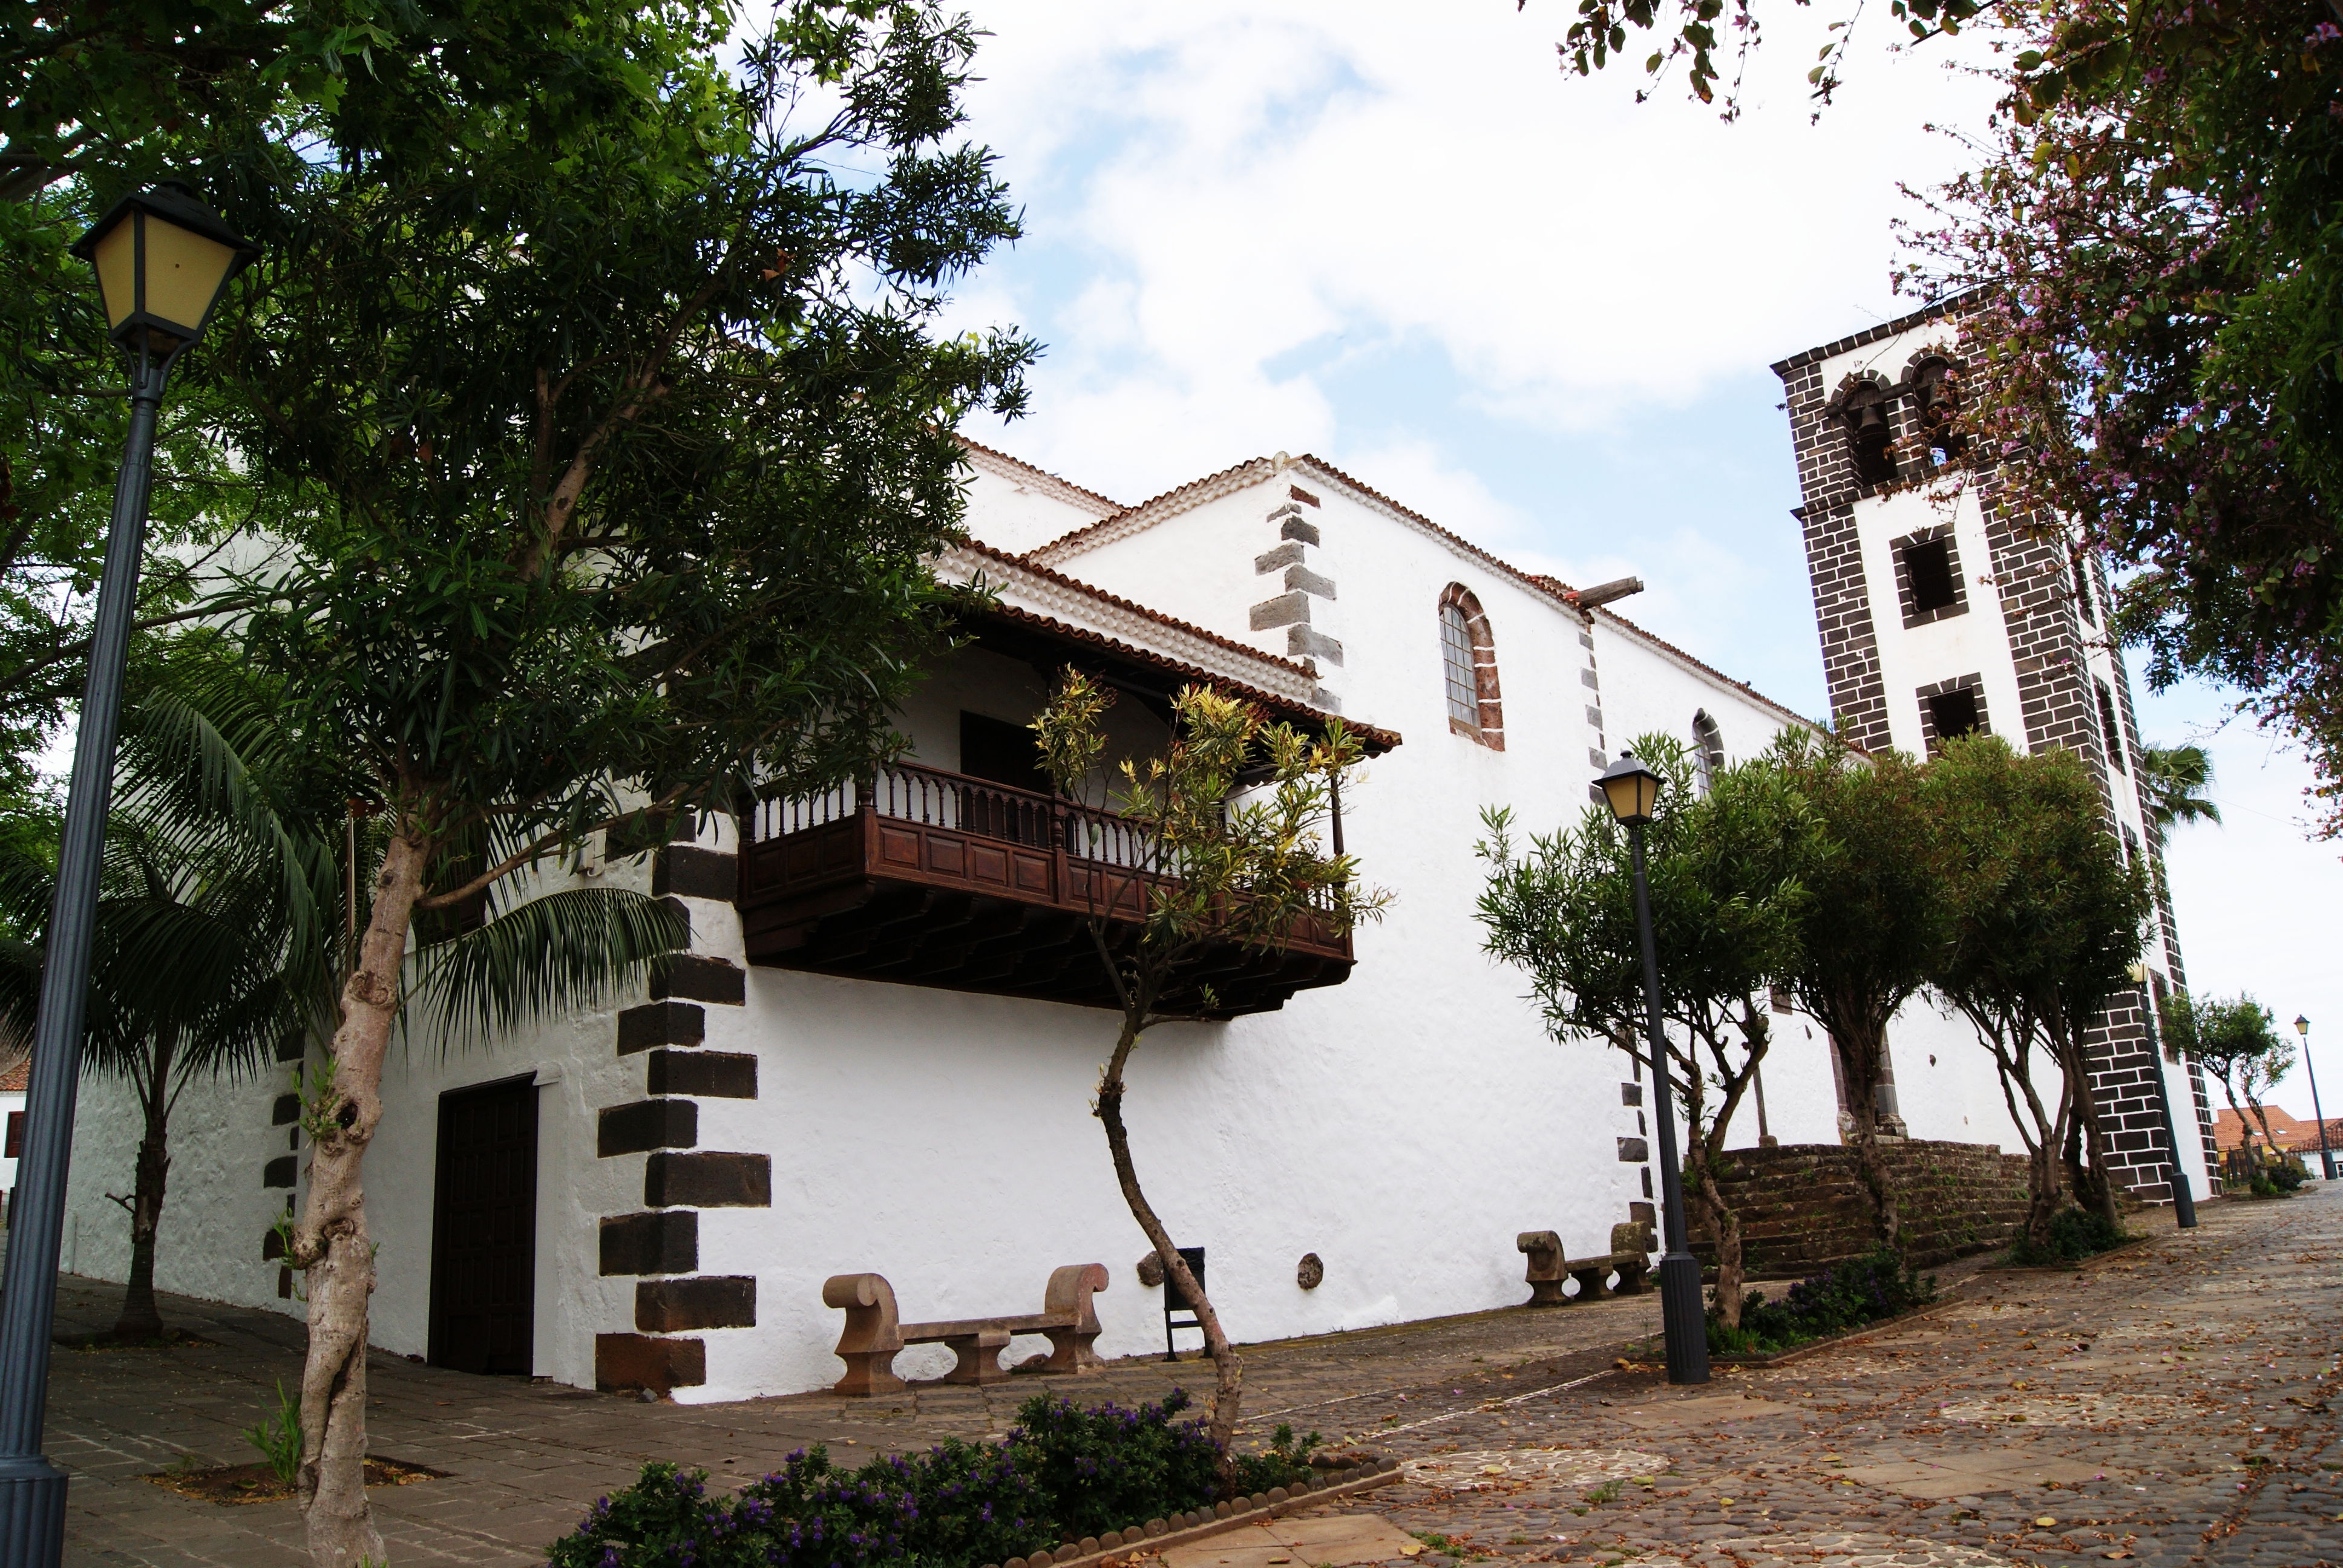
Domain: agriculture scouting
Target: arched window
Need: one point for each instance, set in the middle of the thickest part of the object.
(1869, 411)
(1468, 659)
(1936, 397)
(1707, 751)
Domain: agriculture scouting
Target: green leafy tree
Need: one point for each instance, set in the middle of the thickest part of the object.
(2236, 1040)
(1210, 873)
(1873, 924)
(2047, 922)
(1728, 906)
(611, 440)
(2150, 229)
(96, 99)
(221, 918)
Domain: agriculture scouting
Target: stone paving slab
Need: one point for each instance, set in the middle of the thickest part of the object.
(2171, 1406)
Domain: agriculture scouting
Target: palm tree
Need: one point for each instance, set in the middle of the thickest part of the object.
(2176, 781)
(223, 916)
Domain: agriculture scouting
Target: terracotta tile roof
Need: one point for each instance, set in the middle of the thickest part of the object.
(1048, 480)
(2292, 1132)
(1128, 514)
(17, 1078)
(1027, 563)
(1376, 740)
(1553, 587)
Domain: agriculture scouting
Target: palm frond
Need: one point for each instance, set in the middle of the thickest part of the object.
(567, 951)
(187, 771)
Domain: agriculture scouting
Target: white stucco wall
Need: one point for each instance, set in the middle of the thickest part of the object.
(1403, 1125)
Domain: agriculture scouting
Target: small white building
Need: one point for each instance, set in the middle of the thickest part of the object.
(882, 1055)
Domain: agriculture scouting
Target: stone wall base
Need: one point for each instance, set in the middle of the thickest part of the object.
(1804, 1206)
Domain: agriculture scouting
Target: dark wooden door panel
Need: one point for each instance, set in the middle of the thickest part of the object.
(484, 1230)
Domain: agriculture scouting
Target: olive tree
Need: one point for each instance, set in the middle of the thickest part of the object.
(2235, 1039)
(2047, 917)
(1726, 899)
(1227, 821)
(1870, 932)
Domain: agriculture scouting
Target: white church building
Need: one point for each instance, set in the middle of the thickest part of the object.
(881, 1053)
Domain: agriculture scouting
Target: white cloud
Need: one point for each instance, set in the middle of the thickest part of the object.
(1236, 183)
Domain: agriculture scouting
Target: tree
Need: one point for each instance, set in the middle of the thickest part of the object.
(1212, 871)
(95, 100)
(220, 920)
(2237, 1041)
(2045, 923)
(1689, 31)
(1726, 906)
(1873, 924)
(2158, 276)
(614, 444)
(2178, 781)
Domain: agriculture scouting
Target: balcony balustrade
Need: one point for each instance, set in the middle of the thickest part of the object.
(928, 878)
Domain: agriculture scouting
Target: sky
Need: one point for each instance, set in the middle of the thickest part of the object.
(1398, 236)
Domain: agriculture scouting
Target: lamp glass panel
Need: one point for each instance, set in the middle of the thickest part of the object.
(1631, 795)
(116, 255)
(184, 272)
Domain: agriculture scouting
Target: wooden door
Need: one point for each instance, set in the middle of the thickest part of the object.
(484, 1228)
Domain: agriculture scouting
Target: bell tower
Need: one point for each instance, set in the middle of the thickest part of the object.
(1943, 612)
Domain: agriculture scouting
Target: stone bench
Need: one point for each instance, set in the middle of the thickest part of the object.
(1629, 1257)
(875, 1331)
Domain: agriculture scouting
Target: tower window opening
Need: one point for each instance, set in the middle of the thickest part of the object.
(1954, 713)
(1929, 563)
(1871, 436)
(2083, 601)
(1936, 390)
(2111, 734)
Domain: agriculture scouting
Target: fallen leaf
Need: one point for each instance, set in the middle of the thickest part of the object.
(2045, 1522)
(1411, 1549)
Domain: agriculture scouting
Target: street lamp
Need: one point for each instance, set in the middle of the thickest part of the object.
(2184, 1202)
(1632, 791)
(162, 260)
(2325, 1158)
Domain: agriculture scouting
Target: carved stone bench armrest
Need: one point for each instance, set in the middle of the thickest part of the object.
(872, 1335)
(1546, 1271)
(1068, 1298)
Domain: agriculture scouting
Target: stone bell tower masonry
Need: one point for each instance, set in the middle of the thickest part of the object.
(1944, 611)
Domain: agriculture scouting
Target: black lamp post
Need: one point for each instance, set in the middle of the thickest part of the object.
(2325, 1155)
(162, 260)
(1632, 791)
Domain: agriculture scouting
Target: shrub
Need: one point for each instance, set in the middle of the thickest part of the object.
(1284, 1462)
(1063, 1472)
(1106, 1467)
(2075, 1234)
(1861, 1290)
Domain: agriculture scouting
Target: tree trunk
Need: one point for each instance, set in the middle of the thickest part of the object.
(1228, 1371)
(2097, 1189)
(1724, 1224)
(2042, 1194)
(330, 1244)
(140, 1319)
(1859, 1059)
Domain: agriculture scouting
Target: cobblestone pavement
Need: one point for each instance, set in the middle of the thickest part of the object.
(2170, 1404)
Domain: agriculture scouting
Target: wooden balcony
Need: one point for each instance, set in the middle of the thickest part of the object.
(927, 878)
